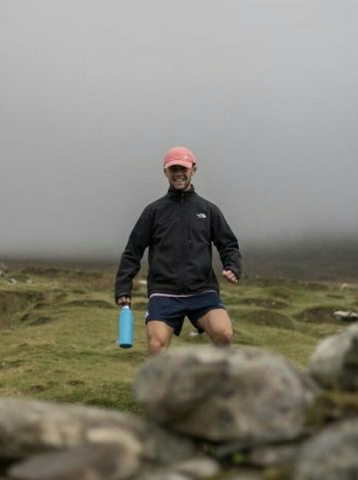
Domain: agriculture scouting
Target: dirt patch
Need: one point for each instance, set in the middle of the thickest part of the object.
(313, 286)
(87, 303)
(269, 282)
(20, 277)
(319, 314)
(37, 389)
(12, 303)
(75, 383)
(40, 305)
(269, 318)
(51, 299)
(41, 320)
(282, 293)
(264, 303)
(32, 319)
(56, 272)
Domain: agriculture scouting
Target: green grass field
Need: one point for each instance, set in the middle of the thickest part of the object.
(58, 329)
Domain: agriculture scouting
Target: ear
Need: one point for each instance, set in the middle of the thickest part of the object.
(165, 172)
(194, 170)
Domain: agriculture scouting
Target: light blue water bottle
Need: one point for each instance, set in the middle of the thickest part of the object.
(125, 327)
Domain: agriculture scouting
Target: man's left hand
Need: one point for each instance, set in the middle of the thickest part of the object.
(230, 276)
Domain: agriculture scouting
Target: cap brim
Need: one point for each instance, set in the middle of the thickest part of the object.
(182, 163)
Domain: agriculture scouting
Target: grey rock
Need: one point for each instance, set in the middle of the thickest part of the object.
(3, 270)
(331, 455)
(162, 476)
(197, 468)
(29, 427)
(159, 474)
(345, 316)
(334, 363)
(217, 394)
(87, 462)
(271, 456)
(162, 447)
(245, 476)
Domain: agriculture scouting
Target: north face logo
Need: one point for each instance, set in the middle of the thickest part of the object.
(201, 215)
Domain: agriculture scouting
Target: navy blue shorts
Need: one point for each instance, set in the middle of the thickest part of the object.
(173, 310)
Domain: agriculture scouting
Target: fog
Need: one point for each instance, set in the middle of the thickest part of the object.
(94, 92)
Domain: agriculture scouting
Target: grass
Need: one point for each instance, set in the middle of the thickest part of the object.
(58, 330)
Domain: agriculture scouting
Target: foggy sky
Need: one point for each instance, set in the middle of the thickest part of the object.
(93, 93)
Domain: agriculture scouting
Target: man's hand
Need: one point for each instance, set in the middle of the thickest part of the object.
(124, 301)
(230, 276)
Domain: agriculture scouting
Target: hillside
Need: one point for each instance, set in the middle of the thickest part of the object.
(58, 328)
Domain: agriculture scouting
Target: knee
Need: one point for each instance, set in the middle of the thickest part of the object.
(224, 337)
(156, 345)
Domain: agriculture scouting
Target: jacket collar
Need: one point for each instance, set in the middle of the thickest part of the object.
(180, 194)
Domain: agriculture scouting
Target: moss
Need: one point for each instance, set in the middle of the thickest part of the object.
(268, 318)
(332, 406)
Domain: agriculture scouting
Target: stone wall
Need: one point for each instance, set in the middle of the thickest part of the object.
(241, 413)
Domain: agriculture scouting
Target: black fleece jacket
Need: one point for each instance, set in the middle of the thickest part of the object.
(179, 230)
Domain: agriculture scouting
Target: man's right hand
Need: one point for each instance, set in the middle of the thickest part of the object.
(230, 276)
(124, 301)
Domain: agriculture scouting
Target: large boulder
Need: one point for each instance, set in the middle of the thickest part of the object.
(196, 468)
(42, 434)
(334, 364)
(223, 395)
(86, 462)
(331, 455)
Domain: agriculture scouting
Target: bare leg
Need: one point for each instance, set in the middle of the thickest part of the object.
(217, 324)
(159, 335)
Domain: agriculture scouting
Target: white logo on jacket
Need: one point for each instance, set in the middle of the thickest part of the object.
(201, 215)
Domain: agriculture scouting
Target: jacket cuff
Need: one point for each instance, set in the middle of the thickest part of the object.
(121, 294)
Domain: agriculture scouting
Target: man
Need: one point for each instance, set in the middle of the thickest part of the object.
(179, 230)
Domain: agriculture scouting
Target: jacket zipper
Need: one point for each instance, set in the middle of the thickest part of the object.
(183, 287)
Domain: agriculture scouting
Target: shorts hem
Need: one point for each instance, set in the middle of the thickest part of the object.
(163, 321)
(200, 330)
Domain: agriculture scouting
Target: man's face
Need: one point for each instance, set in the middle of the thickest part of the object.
(179, 177)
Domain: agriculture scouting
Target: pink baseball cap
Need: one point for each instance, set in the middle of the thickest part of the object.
(179, 156)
